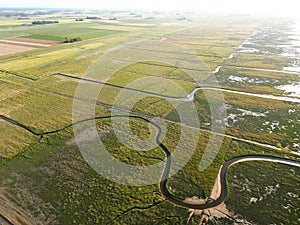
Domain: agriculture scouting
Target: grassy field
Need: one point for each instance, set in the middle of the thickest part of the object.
(263, 82)
(68, 201)
(57, 32)
(42, 171)
(265, 192)
(14, 140)
(74, 60)
(258, 61)
(44, 37)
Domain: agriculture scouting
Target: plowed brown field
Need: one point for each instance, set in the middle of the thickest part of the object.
(15, 45)
(6, 49)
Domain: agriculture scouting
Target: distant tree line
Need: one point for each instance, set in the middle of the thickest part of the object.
(29, 12)
(23, 18)
(43, 22)
(99, 18)
(93, 18)
(15, 14)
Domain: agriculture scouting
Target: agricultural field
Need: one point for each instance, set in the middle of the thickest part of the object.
(11, 49)
(57, 32)
(15, 45)
(151, 88)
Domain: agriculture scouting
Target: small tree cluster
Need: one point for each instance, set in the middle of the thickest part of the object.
(43, 22)
(71, 40)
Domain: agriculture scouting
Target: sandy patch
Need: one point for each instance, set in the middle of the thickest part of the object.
(210, 214)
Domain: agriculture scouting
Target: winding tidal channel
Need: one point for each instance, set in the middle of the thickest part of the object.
(222, 174)
(163, 182)
(221, 181)
(221, 177)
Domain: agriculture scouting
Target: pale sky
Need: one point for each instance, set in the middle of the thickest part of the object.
(266, 7)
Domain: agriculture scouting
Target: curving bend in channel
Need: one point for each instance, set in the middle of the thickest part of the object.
(222, 179)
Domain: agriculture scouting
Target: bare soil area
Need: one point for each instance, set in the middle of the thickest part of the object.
(6, 49)
(31, 40)
(17, 44)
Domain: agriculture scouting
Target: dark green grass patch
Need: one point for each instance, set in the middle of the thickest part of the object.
(44, 37)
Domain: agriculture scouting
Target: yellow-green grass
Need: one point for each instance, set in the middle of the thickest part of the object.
(44, 37)
(255, 130)
(6, 23)
(92, 33)
(154, 106)
(8, 88)
(14, 140)
(215, 51)
(70, 30)
(258, 61)
(62, 30)
(153, 71)
(118, 28)
(150, 105)
(215, 48)
(251, 102)
(90, 46)
(133, 154)
(119, 39)
(203, 42)
(67, 165)
(141, 130)
(74, 60)
(253, 89)
(39, 110)
(160, 69)
(257, 81)
(163, 30)
(31, 62)
(133, 73)
(251, 127)
(10, 22)
(211, 62)
(151, 68)
(284, 178)
(215, 40)
(256, 73)
(55, 83)
(190, 173)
